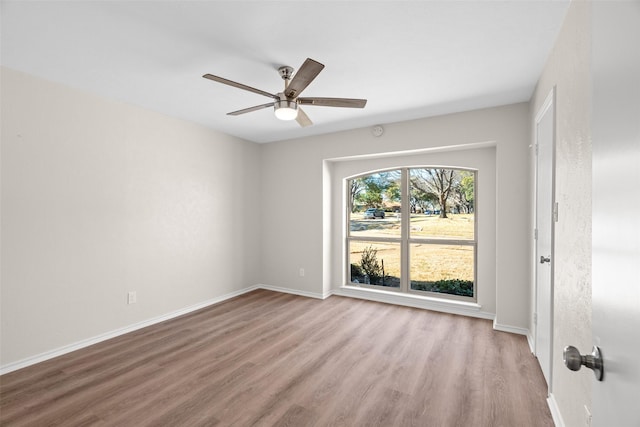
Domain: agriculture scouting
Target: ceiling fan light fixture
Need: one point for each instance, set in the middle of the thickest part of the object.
(286, 109)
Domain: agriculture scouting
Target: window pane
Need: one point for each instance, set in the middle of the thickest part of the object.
(442, 203)
(442, 268)
(374, 263)
(374, 202)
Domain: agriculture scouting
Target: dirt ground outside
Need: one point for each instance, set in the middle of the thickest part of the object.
(429, 262)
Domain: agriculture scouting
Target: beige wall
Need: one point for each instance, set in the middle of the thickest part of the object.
(568, 68)
(100, 198)
(295, 172)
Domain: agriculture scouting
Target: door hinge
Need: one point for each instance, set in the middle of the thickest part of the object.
(535, 234)
(555, 212)
(535, 318)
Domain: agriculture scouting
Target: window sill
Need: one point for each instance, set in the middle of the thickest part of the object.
(418, 301)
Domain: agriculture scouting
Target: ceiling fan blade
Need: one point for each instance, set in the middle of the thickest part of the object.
(305, 75)
(250, 109)
(334, 102)
(238, 85)
(302, 118)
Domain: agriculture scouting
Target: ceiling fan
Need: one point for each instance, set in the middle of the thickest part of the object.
(287, 103)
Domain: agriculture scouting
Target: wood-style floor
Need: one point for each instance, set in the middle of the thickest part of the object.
(268, 358)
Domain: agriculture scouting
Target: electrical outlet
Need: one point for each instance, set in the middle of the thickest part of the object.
(131, 297)
(301, 272)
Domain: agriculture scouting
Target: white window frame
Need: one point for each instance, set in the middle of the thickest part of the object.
(405, 240)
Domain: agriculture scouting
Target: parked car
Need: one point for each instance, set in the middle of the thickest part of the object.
(373, 213)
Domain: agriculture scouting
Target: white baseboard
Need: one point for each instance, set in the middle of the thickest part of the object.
(390, 297)
(115, 333)
(511, 329)
(555, 411)
(294, 291)
(532, 345)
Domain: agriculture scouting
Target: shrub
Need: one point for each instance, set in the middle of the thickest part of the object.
(370, 265)
(450, 286)
(356, 271)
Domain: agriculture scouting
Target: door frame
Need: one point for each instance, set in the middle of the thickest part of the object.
(549, 103)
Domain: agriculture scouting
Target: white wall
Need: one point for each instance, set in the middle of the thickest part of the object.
(100, 198)
(568, 68)
(294, 175)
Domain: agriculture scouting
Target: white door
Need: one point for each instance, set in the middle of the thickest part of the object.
(544, 134)
(616, 210)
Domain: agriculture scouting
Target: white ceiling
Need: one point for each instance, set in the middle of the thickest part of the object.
(410, 59)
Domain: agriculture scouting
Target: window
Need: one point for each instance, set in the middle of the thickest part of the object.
(432, 249)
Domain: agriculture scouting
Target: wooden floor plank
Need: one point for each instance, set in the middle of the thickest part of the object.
(273, 359)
